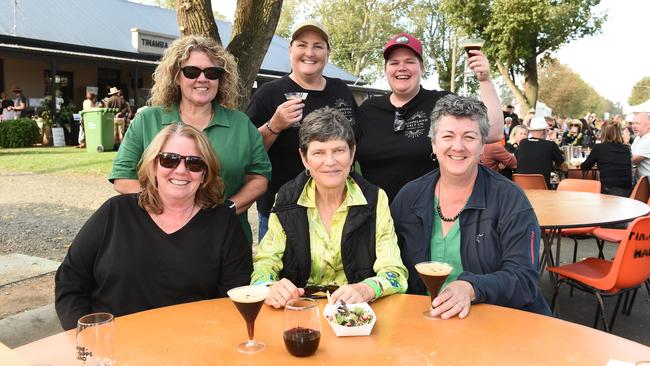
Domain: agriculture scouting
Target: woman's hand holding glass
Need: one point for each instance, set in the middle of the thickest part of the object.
(353, 294)
(287, 114)
(455, 299)
(479, 65)
(281, 292)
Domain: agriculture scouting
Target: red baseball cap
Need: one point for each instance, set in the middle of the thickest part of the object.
(403, 40)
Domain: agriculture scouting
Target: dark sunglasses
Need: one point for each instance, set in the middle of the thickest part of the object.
(399, 124)
(319, 292)
(212, 73)
(171, 160)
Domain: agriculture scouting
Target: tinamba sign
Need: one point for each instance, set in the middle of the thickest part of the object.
(150, 42)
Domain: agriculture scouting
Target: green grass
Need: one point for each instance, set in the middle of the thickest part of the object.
(57, 160)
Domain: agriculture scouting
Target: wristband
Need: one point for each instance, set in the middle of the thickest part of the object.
(375, 286)
(268, 126)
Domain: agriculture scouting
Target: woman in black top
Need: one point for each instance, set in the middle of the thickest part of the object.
(614, 161)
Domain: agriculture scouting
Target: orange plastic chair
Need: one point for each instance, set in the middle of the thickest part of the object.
(641, 192)
(530, 181)
(579, 185)
(629, 269)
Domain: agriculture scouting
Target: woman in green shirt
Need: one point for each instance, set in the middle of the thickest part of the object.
(329, 227)
(196, 84)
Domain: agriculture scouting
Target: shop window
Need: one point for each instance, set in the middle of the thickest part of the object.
(64, 82)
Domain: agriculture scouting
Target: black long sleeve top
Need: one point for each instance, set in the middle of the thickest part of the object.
(121, 262)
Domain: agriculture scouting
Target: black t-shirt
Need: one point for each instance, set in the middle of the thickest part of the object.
(284, 156)
(614, 163)
(535, 156)
(122, 262)
(391, 159)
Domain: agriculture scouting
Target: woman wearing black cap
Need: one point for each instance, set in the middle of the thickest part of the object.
(393, 147)
(278, 117)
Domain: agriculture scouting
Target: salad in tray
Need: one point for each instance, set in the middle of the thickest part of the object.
(349, 318)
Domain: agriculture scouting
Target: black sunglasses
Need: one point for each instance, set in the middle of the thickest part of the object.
(399, 124)
(171, 160)
(319, 292)
(212, 73)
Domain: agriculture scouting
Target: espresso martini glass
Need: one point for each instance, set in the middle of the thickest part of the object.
(433, 274)
(248, 300)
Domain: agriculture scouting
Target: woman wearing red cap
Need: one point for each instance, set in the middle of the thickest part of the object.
(393, 147)
(278, 118)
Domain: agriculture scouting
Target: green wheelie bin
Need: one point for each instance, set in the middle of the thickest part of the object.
(98, 127)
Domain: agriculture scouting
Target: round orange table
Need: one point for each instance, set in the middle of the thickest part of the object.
(207, 333)
(556, 210)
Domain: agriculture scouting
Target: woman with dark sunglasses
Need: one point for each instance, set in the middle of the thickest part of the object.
(393, 147)
(196, 84)
(173, 242)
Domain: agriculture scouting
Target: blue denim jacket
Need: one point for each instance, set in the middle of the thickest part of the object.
(499, 235)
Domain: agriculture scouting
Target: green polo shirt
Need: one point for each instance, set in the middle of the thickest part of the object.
(446, 248)
(236, 141)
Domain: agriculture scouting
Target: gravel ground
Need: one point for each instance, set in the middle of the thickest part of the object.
(41, 214)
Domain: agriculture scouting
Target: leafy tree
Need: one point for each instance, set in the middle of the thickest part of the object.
(567, 94)
(518, 32)
(252, 31)
(640, 91)
(359, 29)
(290, 10)
(439, 41)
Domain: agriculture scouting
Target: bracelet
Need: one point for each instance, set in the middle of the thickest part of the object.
(268, 126)
(375, 285)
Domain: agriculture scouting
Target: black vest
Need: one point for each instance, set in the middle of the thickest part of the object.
(357, 244)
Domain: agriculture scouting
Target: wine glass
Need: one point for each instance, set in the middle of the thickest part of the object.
(469, 44)
(301, 327)
(96, 339)
(248, 300)
(296, 95)
(433, 275)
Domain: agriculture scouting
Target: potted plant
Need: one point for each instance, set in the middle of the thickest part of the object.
(46, 121)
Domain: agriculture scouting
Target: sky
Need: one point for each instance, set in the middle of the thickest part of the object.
(607, 61)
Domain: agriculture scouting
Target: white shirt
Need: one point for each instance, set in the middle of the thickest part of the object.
(641, 147)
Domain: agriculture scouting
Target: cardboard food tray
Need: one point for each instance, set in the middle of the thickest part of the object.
(343, 331)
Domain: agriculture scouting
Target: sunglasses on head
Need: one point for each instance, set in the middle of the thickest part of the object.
(399, 124)
(171, 160)
(212, 73)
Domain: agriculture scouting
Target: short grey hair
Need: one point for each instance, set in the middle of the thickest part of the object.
(458, 106)
(325, 124)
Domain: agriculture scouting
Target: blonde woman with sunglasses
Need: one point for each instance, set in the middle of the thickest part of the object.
(174, 242)
(196, 84)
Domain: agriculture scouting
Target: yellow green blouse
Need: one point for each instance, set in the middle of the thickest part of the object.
(325, 247)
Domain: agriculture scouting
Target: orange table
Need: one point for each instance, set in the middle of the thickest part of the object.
(556, 210)
(207, 333)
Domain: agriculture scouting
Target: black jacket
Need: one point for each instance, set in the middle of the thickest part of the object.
(358, 242)
(499, 237)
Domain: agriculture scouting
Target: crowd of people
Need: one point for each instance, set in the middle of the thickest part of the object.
(547, 146)
(191, 165)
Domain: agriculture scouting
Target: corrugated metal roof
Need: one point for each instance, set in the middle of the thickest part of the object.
(107, 24)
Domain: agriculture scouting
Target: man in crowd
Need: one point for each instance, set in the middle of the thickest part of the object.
(509, 111)
(115, 100)
(536, 155)
(20, 101)
(641, 144)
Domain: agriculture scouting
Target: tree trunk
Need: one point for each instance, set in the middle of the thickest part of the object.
(195, 17)
(521, 98)
(531, 83)
(255, 23)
